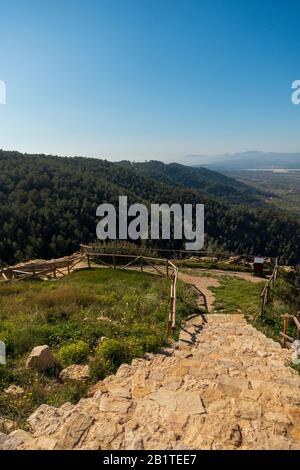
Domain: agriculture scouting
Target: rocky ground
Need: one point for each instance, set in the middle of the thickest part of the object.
(223, 386)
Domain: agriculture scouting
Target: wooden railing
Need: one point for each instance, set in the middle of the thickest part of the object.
(286, 323)
(265, 294)
(52, 269)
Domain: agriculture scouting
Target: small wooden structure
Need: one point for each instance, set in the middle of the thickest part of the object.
(258, 266)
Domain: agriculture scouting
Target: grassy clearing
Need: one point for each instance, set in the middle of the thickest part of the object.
(236, 295)
(71, 315)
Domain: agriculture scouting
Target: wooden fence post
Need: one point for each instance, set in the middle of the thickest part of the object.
(285, 328)
(88, 260)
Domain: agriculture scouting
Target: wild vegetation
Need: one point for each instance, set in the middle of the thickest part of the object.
(48, 206)
(100, 317)
(285, 298)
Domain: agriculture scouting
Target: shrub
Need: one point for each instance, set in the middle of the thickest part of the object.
(74, 353)
(22, 339)
(151, 343)
(113, 352)
(99, 368)
(67, 393)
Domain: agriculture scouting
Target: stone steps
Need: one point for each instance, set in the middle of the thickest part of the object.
(224, 385)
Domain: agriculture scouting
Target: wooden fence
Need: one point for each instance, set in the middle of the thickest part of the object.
(265, 295)
(286, 321)
(45, 269)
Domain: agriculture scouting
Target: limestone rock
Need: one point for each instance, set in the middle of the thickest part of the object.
(46, 420)
(189, 402)
(75, 373)
(14, 391)
(41, 359)
(114, 404)
(3, 438)
(232, 386)
(7, 425)
(73, 430)
(15, 439)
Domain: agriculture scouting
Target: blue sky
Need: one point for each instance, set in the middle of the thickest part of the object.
(143, 79)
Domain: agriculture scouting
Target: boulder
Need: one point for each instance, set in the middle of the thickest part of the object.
(3, 439)
(14, 440)
(75, 373)
(7, 425)
(41, 359)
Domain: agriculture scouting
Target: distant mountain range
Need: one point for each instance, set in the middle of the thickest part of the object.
(249, 160)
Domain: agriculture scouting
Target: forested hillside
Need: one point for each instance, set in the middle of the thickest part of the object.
(48, 205)
(213, 183)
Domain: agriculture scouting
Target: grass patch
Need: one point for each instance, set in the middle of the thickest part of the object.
(71, 315)
(236, 295)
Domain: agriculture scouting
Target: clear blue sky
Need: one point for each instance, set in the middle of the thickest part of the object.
(143, 79)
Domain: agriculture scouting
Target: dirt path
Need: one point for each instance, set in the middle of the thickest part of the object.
(203, 284)
(218, 272)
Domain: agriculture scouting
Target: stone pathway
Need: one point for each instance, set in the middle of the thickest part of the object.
(223, 386)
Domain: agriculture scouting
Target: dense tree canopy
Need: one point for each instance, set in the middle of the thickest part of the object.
(48, 205)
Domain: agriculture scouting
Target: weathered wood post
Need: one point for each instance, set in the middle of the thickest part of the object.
(88, 260)
(285, 328)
